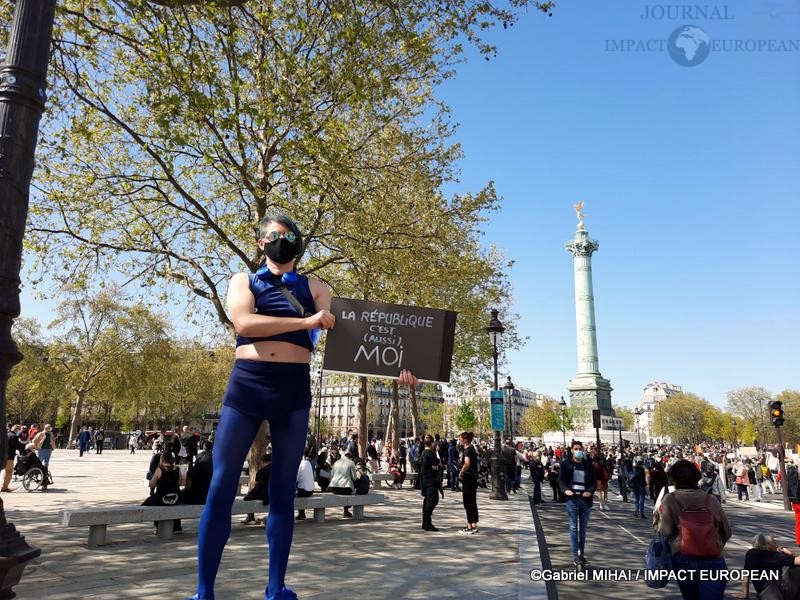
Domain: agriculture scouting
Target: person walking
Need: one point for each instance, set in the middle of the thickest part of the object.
(99, 436)
(188, 450)
(742, 482)
(44, 442)
(84, 438)
(623, 469)
(537, 476)
(601, 475)
(468, 474)
(452, 466)
(132, 442)
(577, 482)
(697, 530)
(510, 463)
(13, 445)
(638, 483)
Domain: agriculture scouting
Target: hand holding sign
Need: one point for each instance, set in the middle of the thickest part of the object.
(407, 378)
(324, 319)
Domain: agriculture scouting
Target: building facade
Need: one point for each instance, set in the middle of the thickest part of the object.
(338, 405)
(653, 394)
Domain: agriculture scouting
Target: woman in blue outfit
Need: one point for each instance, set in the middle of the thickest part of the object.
(277, 314)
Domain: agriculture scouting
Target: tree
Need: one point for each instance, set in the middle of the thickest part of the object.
(466, 418)
(673, 417)
(791, 412)
(431, 417)
(96, 334)
(35, 391)
(627, 416)
(752, 405)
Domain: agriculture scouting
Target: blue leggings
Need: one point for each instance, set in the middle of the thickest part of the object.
(235, 433)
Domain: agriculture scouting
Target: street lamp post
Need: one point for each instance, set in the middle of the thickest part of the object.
(735, 437)
(509, 396)
(563, 405)
(638, 413)
(495, 329)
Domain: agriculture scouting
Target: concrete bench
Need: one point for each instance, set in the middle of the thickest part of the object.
(98, 519)
(244, 480)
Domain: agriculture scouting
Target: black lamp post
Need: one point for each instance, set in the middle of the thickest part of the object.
(509, 396)
(319, 406)
(735, 438)
(638, 413)
(563, 405)
(495, 330)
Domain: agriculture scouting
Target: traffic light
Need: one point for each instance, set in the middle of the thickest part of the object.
(776, 413)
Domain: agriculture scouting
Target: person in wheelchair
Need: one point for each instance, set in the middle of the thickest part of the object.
(28, 460)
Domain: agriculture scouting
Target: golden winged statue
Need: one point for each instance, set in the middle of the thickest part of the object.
(579, 211)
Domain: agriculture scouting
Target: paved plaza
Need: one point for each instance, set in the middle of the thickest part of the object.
(384, 556)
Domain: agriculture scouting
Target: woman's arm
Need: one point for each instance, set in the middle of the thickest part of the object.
(242, 306)
(154, 478)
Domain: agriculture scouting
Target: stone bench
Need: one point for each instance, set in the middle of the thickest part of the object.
(98, 519)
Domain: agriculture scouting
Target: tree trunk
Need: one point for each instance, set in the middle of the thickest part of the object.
(257, 450)
(363, 398)
(75, 425)
(412, 398)
(395, 413)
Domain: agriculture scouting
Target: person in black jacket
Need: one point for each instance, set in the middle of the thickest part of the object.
(537, 476)
(13, 446)
(261, 489)
(188, 450)
(577, 482)
(431, 480)
(198, 478)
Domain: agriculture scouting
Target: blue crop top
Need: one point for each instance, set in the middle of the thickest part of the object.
(271, 301)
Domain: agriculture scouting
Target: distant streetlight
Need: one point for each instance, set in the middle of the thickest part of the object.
(638, 414)
(495, 330)
(509, 394)
(563, 406)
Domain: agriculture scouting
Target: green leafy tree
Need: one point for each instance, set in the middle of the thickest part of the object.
(752, 405)
(791, 412)
(96, 334)
(673, 417)
(466, 419)
(626, 414)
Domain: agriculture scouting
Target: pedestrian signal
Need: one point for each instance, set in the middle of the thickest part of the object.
(776, 413)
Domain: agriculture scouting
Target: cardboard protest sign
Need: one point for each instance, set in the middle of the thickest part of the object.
(381, 339)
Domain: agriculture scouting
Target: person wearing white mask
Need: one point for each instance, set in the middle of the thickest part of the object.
(578, 483)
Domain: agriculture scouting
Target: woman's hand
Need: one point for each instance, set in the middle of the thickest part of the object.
(407, 378)
(324, 319)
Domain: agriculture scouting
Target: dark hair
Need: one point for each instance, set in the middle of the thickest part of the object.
(266, 458)
(576, 443)
(684, 475)
(468, 435)
(286, 222)
(167, 458)
(428, 439)
(207, 446)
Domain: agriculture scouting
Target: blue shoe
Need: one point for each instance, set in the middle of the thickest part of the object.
(284, 594)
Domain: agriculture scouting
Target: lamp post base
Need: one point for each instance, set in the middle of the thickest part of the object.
(15, 554)
(498, 471)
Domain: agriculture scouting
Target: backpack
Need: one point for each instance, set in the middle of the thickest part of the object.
(707, 482)
(698, 532)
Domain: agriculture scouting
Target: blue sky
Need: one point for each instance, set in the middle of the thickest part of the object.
(690, 177)
(691, 182)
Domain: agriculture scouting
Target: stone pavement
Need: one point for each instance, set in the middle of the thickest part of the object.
(384, 556)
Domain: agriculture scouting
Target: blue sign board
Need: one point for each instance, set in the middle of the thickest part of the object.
(498, 410)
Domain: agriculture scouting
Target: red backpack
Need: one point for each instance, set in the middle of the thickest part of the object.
(698, 531)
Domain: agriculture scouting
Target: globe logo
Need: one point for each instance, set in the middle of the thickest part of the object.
(688, 46)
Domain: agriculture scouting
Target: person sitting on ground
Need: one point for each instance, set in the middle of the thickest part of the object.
(165, 488)
(305, 483)
(260, 491)
(343, 477)
(198, 478)
(769, 560)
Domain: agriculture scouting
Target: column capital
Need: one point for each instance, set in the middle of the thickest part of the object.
(582, 245)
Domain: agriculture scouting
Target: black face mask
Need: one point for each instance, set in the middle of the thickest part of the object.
(281, 251)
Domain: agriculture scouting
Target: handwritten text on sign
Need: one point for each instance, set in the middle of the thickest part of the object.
(375, 338)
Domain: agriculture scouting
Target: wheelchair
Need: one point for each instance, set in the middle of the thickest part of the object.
(31, 473)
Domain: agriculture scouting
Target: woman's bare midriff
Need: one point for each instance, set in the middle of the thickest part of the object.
(282, 352)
